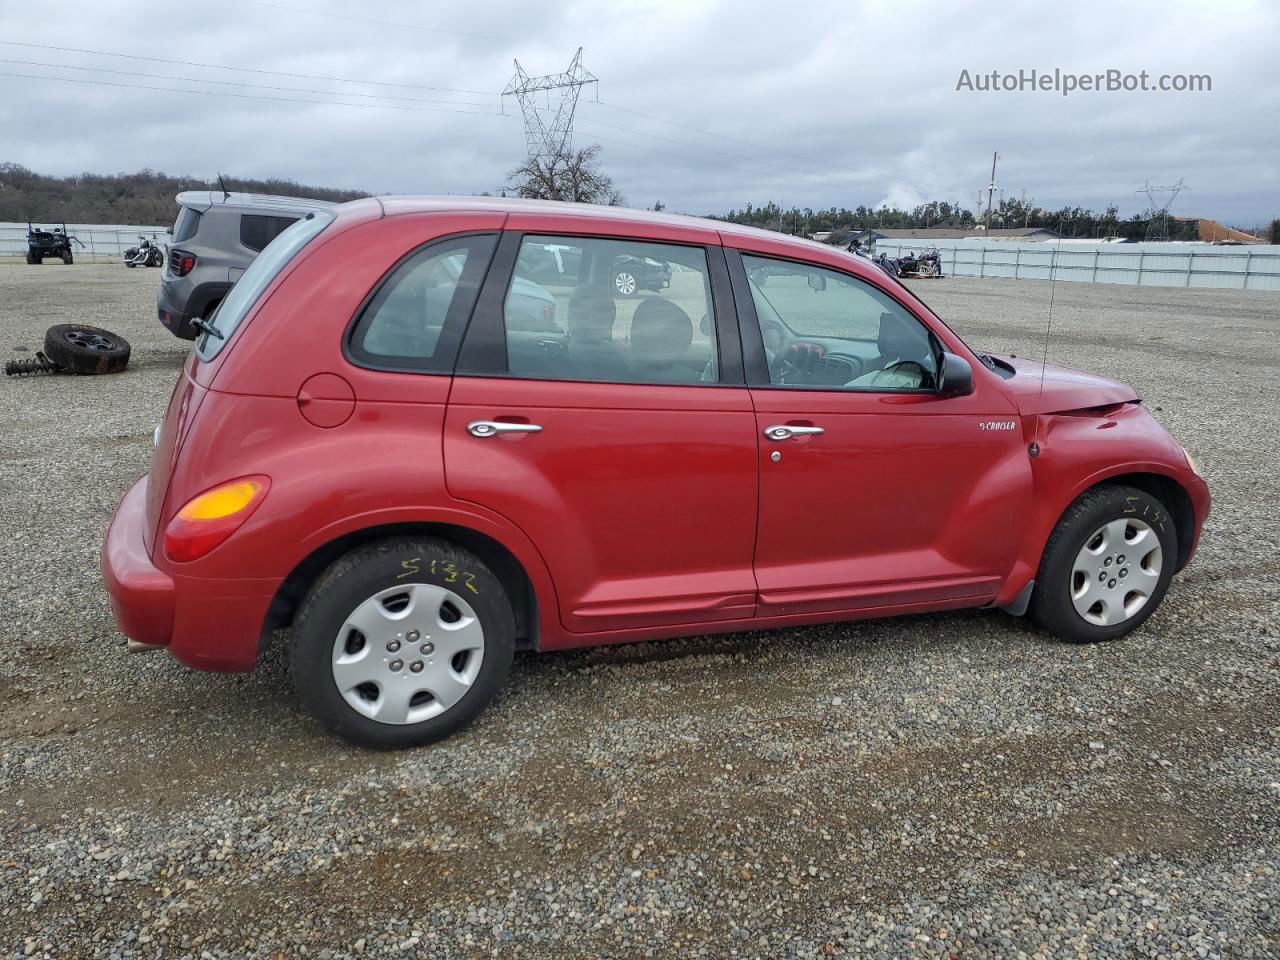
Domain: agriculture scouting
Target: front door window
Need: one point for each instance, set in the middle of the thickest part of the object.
(828, 330)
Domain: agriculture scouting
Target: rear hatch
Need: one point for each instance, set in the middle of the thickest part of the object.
(184, 402)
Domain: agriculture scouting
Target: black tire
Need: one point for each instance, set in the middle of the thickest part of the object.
(130, 264)
(357, 577)
(80, 348)
(68, 259)
(32, 259)
(1051, 606)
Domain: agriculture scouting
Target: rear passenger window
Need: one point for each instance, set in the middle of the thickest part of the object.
(619, 311)
(415, 318)
(256, 230)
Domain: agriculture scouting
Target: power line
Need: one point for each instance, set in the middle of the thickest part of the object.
(761, 146)
(370, 20)
(233, 83)
(249, 96)
(216, 66)
(772, 167)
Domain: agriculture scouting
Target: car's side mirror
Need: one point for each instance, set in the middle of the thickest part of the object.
(817, 282)
(955, 376)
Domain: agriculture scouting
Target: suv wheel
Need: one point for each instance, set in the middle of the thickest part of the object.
(624, 281)
(1106, 566)
(401, 642)
(80, 348)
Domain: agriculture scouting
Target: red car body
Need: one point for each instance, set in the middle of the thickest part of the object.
(639, 511)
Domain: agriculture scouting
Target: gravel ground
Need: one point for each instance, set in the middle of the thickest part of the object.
(941, 786)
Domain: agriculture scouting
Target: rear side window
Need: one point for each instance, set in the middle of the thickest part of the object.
(185, 227)
(256, 230)
(614, 311)
(256, 278)
(415, 318)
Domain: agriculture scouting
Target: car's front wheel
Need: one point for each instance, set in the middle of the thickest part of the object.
(1106, 566)
(401, 642)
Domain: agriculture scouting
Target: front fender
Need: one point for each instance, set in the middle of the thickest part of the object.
(1082, 449)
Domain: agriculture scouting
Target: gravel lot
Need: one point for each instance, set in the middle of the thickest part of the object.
(943, 786)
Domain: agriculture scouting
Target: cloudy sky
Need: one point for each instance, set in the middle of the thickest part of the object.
(702, 105)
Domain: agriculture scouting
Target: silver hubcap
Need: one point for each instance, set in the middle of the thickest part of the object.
(625, 283)
(408, 653)
(1116, 572)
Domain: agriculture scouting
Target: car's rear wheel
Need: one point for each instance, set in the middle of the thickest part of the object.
(624, 281)
(402, 642)
(1106, 566)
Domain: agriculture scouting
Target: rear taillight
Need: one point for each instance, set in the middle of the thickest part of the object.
(207, 520)
(182, 262)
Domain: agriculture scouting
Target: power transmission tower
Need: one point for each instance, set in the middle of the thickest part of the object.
(1158, 220)
(991, 189)
(549, 140)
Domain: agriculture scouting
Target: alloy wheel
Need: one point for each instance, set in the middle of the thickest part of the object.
(626, 283)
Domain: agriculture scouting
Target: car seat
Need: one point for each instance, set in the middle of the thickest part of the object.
(661, 334)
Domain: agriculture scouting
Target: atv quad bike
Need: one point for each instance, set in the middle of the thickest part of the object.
(55, 242)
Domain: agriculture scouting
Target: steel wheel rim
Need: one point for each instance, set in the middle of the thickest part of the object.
(1116, 572)
(408, 653)
(90, 341)
(625, 283)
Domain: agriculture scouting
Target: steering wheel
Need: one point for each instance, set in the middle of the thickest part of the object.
(800, 358)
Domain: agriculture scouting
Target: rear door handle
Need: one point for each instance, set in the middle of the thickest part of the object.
(491, 428)
(785, 431)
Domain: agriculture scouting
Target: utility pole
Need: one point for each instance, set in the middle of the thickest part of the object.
(991, 189)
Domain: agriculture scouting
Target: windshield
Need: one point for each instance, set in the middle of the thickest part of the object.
(268, 264)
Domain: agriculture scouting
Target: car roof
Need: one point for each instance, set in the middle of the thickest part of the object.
(203, 200)
(587, 211)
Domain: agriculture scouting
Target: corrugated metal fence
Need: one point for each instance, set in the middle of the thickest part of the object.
(101, 242)
(1142, 264)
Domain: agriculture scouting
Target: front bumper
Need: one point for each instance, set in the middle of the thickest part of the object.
(1201, 503)
(206, 624)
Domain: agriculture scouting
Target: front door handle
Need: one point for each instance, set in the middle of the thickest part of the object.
(491, 428)
(785, 431)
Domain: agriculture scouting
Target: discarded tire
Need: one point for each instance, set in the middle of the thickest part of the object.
(80, 348)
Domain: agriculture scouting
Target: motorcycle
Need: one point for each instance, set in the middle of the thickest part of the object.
(146, 254)
(927, 264)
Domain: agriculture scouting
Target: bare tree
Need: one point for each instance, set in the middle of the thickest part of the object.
(574, 177)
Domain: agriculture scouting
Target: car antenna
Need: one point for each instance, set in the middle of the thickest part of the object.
(1034, 449)
(226, 194)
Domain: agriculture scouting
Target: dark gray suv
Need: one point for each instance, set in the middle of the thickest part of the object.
(214, 238)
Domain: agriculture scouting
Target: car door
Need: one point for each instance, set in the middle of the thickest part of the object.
(619, 436)
(875, 490)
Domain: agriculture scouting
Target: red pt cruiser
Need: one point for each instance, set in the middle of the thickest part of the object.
(423, 432)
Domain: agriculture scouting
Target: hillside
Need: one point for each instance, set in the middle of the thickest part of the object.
(145, 197)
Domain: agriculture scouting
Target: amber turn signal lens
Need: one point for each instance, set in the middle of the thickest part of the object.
(210, 518)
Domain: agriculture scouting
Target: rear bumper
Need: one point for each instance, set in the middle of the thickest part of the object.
(180, 301)
(141, 595)
(206, 624)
